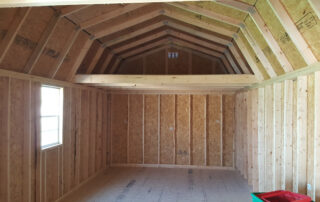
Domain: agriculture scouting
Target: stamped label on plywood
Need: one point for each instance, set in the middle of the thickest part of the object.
(306, 22)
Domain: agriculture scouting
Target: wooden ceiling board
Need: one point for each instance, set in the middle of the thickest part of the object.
(306, 21)
(279, 33)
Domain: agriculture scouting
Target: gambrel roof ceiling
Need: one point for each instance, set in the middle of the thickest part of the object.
(266, 38)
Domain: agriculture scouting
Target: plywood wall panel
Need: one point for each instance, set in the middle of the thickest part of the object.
(19, 143)
(99, 138)
(288, 130)
(198, 137)
(92, 131)
(279, 136)
(228, 129)
(269, 135)
(214, 130)
(167, 129)
(178, 65)
(52, 175)
(183, 129)
(302, 117)
(4, 137)
(151, 129)
(119, 116)
(201, 65)
(84, 135)
(135, 149)
(287, 121)
(67, 145)
(153, 65)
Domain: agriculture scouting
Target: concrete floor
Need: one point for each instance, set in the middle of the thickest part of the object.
(164, 185)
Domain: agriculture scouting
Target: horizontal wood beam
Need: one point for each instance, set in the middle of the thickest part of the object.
(24, 3)
(241, 80)
(289, 76)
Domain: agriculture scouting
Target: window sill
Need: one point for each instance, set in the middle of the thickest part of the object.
(49, 147)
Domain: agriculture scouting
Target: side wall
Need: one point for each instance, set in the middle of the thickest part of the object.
(172, 129)
(278, 136)
(28, 173)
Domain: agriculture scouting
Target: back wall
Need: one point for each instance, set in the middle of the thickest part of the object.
(172, 129)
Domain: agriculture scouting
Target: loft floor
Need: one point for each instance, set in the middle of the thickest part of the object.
(164, 185)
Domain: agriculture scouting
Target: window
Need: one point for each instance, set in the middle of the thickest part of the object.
(51, 116)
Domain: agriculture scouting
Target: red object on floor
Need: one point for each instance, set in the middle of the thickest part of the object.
(283, 196)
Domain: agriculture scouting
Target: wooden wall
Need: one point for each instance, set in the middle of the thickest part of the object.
(172, 129)
(278, 138)
(28, 173)
(157, 62)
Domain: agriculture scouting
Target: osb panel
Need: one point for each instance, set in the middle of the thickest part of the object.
(214, 132)
(54, 47)
(178, 65)
(280, 35)
(198, 135)
(92, 131)
(92, 11)
(6, 17)
(52, 174)
(88, 58)
(20, 140)
(134, 66)
(306, 21)
(259, 38)
(218, 67)
(228, 129)
(84, 135)
(135, 129)
(183, 129)
(205, 19)
(27, 38)
(201, 65)
(221, 9)
(155, 63)
(151, 132)
(254, 56)
(167, 129)
(71, 57)
(119, 125)
(4, 141)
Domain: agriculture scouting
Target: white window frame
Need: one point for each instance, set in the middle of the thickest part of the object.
(59, 116)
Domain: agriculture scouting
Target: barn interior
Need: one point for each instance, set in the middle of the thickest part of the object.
(150, 100)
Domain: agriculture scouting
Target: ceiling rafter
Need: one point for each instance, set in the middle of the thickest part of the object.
(315, 4)
(115, 65)
(95, 60)
(272, 43)
(106, 63)
(110, 15)
(135, 43)
(72, 38)
(134, 34)
(65, 11)
(130, 22)
(206, 51)
(80, 57)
